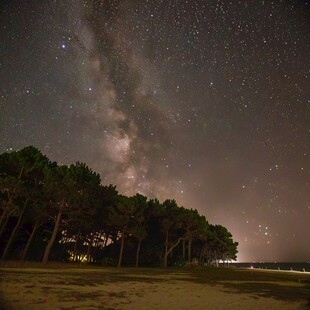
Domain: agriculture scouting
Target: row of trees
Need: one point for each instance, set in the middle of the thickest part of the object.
(60, 212)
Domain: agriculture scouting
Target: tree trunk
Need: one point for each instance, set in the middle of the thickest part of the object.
(74, 258)
(13, 234)
(121, 250)
(170, 250)
(202, 254)
(184, 249)
(64, 242)
(4, 216)
(89, 246)
(54, 234)
(138, 253)
(166, 251)
(34, 229)
(189, 250)
(98, 238)
(4, 225)
(105, 241)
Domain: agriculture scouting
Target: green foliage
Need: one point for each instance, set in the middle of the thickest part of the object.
(68, 210)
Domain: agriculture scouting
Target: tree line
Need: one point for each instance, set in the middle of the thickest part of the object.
(64, 213)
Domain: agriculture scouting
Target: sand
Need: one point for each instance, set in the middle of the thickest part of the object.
(34, 288)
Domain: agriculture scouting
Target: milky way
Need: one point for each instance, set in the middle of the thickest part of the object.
(206, 102)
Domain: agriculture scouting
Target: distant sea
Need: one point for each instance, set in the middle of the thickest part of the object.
(275, 266)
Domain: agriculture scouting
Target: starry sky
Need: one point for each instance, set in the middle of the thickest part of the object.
(204, 101)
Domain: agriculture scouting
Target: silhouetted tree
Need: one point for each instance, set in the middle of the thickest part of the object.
(72, 210)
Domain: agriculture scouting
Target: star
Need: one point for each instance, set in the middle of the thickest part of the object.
(205, 104)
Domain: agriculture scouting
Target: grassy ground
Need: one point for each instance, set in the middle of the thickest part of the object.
(74, 287)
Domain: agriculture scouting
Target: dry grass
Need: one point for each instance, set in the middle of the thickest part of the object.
(63, 286)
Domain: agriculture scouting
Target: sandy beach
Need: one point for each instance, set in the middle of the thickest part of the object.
(104, 288)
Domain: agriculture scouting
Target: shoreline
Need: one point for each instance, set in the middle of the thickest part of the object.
(277, 270)
(298, 267)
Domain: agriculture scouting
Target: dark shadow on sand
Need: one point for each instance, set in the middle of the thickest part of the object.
(285, 287)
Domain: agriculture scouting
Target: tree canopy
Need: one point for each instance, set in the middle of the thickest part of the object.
(59, 212)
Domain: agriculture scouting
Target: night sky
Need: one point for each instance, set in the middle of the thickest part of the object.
(205, 101)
